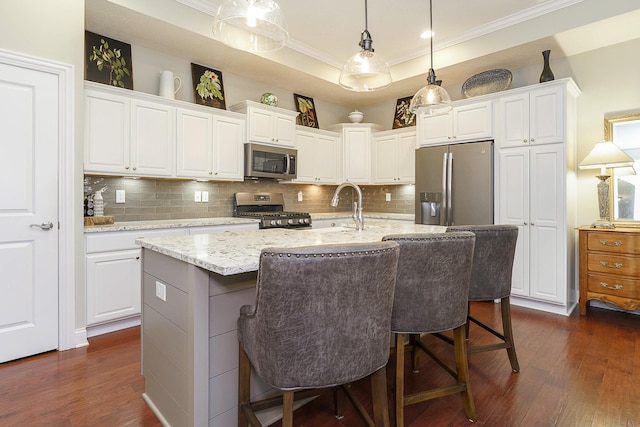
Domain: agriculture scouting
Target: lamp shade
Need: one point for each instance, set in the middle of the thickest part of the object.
(364, 72)
(606, 155)
(251, 25)
(431, 100)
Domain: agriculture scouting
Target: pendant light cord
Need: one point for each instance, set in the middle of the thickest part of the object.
(366, 20)
(365, 37)
(430, 28)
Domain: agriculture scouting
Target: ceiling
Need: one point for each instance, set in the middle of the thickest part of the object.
(470, 36)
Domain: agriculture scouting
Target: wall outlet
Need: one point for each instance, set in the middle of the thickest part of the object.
(197, 196)
(205, 197)
(300, 198)
(120, 196)
(387, 197)
(161, 291)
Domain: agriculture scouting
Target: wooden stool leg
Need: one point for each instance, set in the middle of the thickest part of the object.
(244, 388)
(415, 354)
(505, 308)
(399, 374)
(287, 408)
(462, 369)
(379, 397)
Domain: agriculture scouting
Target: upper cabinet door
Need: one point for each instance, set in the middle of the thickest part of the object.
(473, 121)
(153, 140)
(195, 144)
(261, 126)
(106, 133)
(228, 154)
(513, 120)
(284, 129)
(547, 119)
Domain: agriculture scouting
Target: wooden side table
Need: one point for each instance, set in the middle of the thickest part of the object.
(610, 267)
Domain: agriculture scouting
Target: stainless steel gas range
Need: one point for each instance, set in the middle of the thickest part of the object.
(269, 208)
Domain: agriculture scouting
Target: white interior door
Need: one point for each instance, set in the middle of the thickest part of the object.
(29, 129)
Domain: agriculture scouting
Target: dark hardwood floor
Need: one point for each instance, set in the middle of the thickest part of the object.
(575, 371)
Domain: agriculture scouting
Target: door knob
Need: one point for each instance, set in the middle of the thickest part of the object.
(44, 226)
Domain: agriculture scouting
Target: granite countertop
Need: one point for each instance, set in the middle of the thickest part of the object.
(200, 222)
(234, 252)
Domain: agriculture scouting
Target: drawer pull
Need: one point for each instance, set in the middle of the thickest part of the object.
(615, 264)
(615, 243)
(613, 288)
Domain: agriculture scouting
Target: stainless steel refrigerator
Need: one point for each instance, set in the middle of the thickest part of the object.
(454, 184)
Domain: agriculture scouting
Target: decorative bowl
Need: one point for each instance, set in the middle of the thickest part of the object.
(487, 82)
(356, 116)
(269, 99)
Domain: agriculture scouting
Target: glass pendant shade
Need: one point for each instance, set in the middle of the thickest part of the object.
(251, 25)
(365, 71)
(431, 99)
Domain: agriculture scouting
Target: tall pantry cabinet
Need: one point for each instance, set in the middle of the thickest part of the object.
(536, 140)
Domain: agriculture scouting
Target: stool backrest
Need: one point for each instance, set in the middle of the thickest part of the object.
(322, 314)
(432, 281)
(492, 260)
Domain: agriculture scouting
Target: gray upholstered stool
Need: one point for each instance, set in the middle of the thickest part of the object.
(431, 296)
(310, 303)
(491, 280)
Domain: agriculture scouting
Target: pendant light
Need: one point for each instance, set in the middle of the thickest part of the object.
(365, 71)
(431, 99)
(251, 25)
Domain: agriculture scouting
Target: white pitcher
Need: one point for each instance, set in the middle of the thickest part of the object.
(168, 84)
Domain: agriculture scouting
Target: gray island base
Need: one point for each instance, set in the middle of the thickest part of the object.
(193, 288)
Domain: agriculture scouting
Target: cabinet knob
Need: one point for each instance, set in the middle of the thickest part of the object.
(532, 139)
(137, 257)
(126, 167)
(134, 168)
(524, 140)
(215, 173)
(210, 173)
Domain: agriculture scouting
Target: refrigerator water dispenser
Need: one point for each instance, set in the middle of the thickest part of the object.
(430, 208)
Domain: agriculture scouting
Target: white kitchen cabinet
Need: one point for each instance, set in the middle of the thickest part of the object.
(532, 117)
(127, 136)
(318, 160)
(465, 122)
(356, 150)
(393, 155)
(536, 192)
(267, 124)
(112, 277)
(210, 146)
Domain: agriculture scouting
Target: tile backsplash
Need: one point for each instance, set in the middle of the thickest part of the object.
(152, 199)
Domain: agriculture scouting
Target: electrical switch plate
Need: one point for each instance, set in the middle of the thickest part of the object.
(161, 291)
(387, 197)
(300, 196)
(197, 196)
(120, 196)
(205, 196)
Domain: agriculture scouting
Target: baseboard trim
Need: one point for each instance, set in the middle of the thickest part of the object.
(116, 325)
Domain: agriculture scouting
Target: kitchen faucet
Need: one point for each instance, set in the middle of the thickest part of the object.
(357, 206)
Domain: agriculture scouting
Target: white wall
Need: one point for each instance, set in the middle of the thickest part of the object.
(54, 30)
(147, 65)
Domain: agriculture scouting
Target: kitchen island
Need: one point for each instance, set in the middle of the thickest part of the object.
(193, 288)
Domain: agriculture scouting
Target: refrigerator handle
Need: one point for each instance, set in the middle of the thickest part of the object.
(445, 200)
(449, 182)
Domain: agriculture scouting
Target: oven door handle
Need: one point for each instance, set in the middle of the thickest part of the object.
(288, 163)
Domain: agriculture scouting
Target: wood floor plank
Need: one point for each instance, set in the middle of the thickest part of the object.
(575, 371)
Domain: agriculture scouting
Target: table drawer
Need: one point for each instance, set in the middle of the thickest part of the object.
(618, 243)
(611, 285)
(614, 264)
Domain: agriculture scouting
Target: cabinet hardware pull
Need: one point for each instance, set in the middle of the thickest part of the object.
(532, 140)
(615, 243)
(137, 257)
(613, 288)
(615, 264)
(524, 140)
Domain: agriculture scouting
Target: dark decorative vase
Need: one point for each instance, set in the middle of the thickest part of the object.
(547, 74)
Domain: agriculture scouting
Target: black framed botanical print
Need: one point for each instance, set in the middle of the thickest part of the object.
(306, 108)
(403, 117)
(107, 61)
(208, 88)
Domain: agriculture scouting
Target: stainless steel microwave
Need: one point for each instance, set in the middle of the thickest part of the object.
(264, 161)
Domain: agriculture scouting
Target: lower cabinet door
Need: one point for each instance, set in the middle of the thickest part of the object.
(113, 285)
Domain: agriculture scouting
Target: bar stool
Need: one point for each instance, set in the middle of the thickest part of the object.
(491, 280)
(311, 302)
(431, 296)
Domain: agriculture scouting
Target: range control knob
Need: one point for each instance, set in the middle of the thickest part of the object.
(290, 221)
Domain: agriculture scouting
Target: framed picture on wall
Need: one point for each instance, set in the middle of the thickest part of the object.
(403, 117)
(107, 61)
(306, 108)
(208, 88)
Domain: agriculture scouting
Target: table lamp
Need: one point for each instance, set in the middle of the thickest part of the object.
(605, 155)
